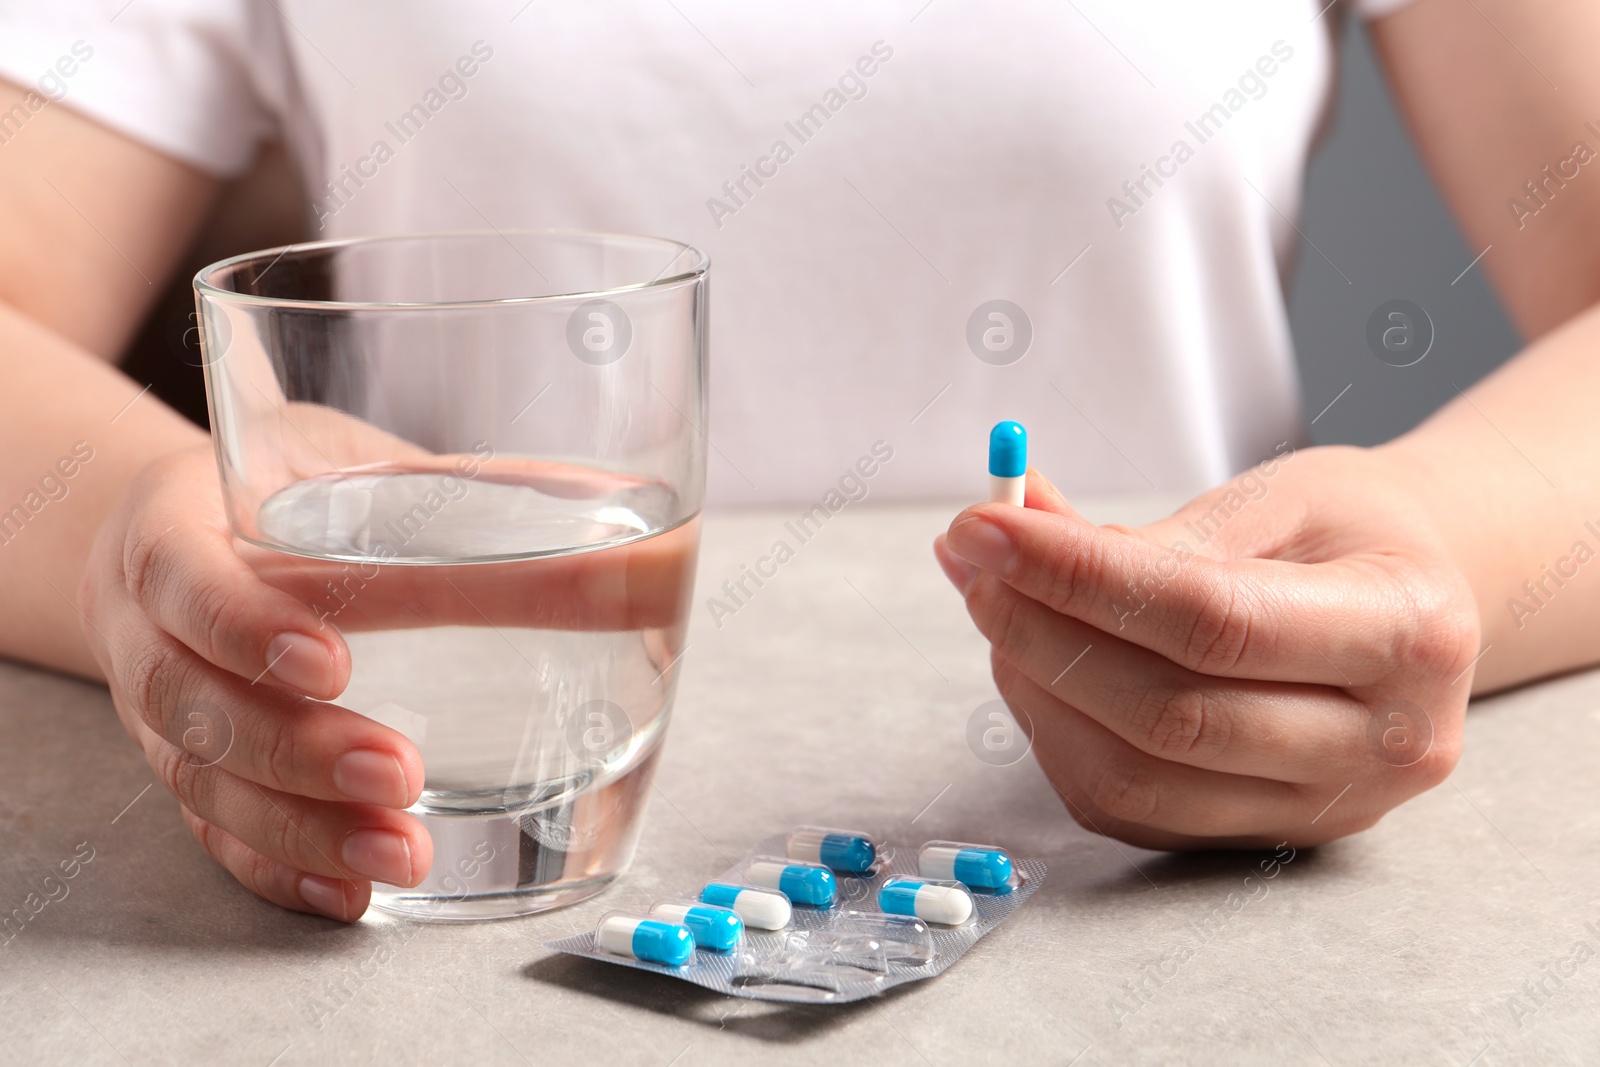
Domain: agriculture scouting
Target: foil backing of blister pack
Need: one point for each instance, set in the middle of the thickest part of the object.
(832, 955)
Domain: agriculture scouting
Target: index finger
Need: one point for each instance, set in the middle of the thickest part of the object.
(1330, 623)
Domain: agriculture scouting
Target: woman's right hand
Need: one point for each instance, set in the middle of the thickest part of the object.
(220, 679)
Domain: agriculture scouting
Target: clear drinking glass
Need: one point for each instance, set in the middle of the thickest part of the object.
(479, 457)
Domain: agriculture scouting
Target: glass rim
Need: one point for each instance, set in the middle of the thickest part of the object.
(700, 266)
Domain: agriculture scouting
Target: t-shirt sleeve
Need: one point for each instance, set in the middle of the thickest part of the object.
(1372, 9)
(186, 77)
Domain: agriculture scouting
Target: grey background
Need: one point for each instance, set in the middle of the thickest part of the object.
(1372, 210)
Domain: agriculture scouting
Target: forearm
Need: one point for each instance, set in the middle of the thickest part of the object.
(71, 441)
(1511, 473)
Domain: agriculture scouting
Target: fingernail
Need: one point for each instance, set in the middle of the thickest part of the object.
(324, 895)
(382, 855)
(959, 571)
(371, 777)
(301, 662)
(981, 542)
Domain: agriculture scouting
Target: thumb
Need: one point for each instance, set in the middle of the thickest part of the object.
(1201, 525)
(1042, 495)
(1239, 519)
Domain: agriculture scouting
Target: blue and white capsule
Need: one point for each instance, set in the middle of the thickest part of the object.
(976, 866)
(946, 903)
(849, 851)
(761, 909)
(639, 938)
(715, 928)
(803, 883)
(1008, 463)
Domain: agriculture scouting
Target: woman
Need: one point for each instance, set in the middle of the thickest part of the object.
(925, 218)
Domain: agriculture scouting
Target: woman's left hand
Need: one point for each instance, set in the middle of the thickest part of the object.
(1287, 658)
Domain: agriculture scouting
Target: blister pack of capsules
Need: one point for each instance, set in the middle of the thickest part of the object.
(821, 916)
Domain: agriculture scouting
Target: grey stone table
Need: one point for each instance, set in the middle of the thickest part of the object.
(1463, 929)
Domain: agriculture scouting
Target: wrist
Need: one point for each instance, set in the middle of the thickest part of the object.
(1492, 515)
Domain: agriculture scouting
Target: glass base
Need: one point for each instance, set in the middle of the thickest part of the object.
(509, 862)
(484, 907)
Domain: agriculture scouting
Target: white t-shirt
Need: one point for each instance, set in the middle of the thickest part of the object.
(867, 178)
